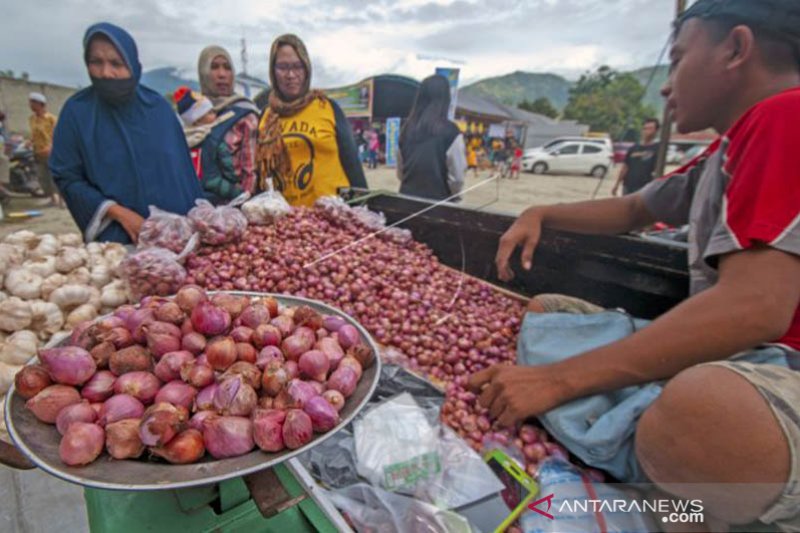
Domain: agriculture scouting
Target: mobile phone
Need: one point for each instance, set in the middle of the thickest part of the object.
(498, 511)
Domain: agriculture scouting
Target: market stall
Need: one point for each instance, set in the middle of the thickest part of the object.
(415, 297)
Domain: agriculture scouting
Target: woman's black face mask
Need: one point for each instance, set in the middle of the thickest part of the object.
(115, 91)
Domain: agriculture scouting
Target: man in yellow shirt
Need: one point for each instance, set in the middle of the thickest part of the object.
(42, 125)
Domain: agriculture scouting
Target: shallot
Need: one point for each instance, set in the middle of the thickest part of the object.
(51, 400)
(300, 392)
(169, 367)
(323, 415)
(100, 387)
(81, 444)
(68, 365)
(221, 353)
(141, 385)
(130, 359)
(210, 320)
(31, 380)
(297, 429)
(234, 397)
(162, 338)
(177, 393)
(228, 436)
(344, 380)
(120, 407)
(205, 398)
(193, 342)
(77, 412)
(268, 429)
(122, 439)
(335, 398)
(189, 296)
(314, 364)
(187, 447)
(197, 375)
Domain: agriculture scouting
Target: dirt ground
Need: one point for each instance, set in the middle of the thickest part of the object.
(506, 196)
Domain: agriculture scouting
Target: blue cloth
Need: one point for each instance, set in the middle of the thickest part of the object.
(600, 429)
(134, 154)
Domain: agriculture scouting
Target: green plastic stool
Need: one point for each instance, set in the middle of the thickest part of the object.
(227, 507)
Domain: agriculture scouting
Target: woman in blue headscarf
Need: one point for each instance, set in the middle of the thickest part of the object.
(118, 147)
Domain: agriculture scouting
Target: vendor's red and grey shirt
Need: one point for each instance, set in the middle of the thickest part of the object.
(743, 191)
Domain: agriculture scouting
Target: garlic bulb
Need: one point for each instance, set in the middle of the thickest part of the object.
(94, 298)
(114, 253)
(46, 318)
(69, 258)
(20, 281)
(15, 314)
(41, 266)
(70, 239)
(19, 347)
(94, 248)
(10, 256)
(25, 238)
(7, 374)
(100, 275)
(48, 246)
(70, 296)
(3, 296)
(80, 314)
(51, 283)
(79, 276)
(114, 294)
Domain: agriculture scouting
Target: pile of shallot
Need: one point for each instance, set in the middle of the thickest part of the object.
(433, 320)
(198, 373)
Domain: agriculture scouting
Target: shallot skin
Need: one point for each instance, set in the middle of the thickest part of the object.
(228, 436)
(81, 444)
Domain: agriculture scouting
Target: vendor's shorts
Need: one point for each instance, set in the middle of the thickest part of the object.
(780, 387)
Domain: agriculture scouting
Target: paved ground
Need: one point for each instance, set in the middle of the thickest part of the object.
(497, 195)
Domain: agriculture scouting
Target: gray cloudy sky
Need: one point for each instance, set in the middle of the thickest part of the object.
(347, 39)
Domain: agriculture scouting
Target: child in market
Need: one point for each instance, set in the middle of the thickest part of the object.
(212, 159)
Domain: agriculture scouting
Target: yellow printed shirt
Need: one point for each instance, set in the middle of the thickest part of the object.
(42, 132)
(310, 139)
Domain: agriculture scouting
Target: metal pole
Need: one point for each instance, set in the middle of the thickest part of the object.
(666, 122)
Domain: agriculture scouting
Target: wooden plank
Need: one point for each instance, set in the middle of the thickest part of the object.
(505, 292)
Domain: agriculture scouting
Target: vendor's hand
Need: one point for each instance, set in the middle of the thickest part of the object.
(131, 221)
(525, 231)
(515, 393)
(615, 190)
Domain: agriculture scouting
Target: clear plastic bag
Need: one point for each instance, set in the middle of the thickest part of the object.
(217, 225)
(266, 208)
(156, 271)
(163, 229)
(402, 448)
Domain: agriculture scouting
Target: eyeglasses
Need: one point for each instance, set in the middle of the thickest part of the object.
(286, 68)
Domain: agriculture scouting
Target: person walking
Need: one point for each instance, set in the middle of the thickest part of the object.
(640, 162)
(42, 125)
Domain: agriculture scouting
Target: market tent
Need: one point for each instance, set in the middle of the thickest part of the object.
(393, 96)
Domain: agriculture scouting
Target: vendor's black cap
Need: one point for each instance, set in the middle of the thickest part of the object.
(778, 17)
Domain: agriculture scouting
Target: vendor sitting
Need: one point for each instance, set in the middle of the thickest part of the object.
(211, 156)
(705, 400)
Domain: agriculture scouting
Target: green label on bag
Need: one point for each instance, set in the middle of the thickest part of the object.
(409, 472)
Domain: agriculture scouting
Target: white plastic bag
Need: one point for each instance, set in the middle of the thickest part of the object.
(218, 225)
(165, 230)
(267, 207)
(399, 449)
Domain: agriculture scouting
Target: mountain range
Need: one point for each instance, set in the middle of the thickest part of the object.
(512, 89)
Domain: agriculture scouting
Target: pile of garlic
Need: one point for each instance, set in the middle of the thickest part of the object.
(51, 283)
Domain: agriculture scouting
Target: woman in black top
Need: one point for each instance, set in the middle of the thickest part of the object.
(432, 159)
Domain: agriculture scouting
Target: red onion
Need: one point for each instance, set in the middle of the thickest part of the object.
(141, 385)
(232, 303)
(330, 347)
(186, 327)
(324, 416)
(120, 407)
(193, 342)
(51, 400)
(333, 323)
(348, 336)
(101, 353)
(221, 353)
(350, 362)
(185, 448)
(292, 369)
(228, 436)
(176, 393)
(242, 334)
(314, 364)
(162, 337)
(344, 380)
(189, 296)
(245, 352)
(81, 444)
(306, 316)
(284, 323)
(77, 412)
(254, 315)
(297, 429)
(122, 439)
(266, 402)
(266, 335)
(268, 429)
(120, 337)
(170, 312)
(300, 392)
(274, 380)
(205, 398)
(335, 398)
(97, 406)
(267, 355)
(159, 426)
(199, 419)
(68, 365)
(295, 346)
(249, 373)
(197, 375)
(136, 321)
(31, 380)
(363, 354)
(534, 452)
(528, 434)
(271, 304)
(82, 336)
(124, 312)
(307, 334)
(234, 397)
(169, 367)
(130, 359)
(210, 320)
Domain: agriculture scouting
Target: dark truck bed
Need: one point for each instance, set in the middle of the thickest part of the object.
(645, 277)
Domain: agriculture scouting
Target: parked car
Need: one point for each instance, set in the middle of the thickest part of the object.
(604, 141)
(584, 157)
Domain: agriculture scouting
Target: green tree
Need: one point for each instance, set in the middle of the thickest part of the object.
(542, 106)
(608, 101)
